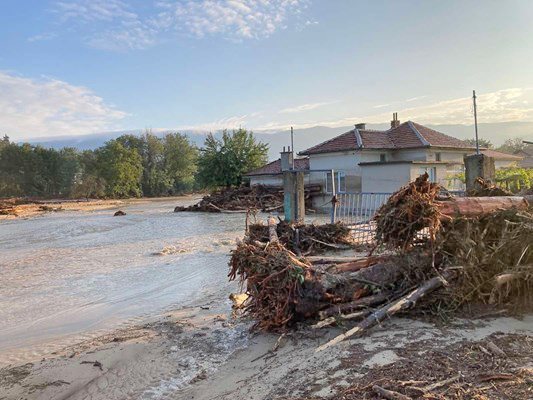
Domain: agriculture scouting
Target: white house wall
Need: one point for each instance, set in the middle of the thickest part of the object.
(338, 161)
(425, 154)
(347, 162)
(409, 155)
(385, 178)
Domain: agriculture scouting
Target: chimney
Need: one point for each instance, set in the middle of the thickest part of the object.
(360, 127)
(286, 159)
(394, 123)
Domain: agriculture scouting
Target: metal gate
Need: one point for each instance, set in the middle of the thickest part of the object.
(357, 210)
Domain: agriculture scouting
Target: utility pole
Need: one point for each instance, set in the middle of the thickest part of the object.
(475, 121)
(292, 146)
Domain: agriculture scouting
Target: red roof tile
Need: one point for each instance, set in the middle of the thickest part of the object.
(438, 139)
(274, 167)
(346, 141)
(498, 155)
(376, 140)
(406, 135)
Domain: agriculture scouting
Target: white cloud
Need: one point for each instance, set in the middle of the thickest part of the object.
(415, 98)
(41, 37)
(136, 37)
(234, 19)
(500, 106)
(304, 107)
(90, 11)
(231, 19)
(50, 107)
(234, 122)
(128, 32)
(506, 105)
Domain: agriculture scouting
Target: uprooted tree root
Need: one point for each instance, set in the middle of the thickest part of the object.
(408, 211)
(284, 288)
(496, 252)
(274, 279)
(308, 239)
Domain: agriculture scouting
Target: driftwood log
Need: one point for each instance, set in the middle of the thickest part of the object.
(476, 206)
(390, 309)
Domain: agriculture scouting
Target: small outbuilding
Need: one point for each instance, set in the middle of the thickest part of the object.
(272, 173)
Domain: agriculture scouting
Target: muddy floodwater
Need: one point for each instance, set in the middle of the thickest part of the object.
(69, 276)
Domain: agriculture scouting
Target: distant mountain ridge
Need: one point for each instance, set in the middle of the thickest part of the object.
(303, 138)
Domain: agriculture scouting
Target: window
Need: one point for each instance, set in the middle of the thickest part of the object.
(340, 182)
(382, 157)
(438, 157)
(431, 171)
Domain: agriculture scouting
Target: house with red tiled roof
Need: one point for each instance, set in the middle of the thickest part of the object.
(271, 174)
(375, 161)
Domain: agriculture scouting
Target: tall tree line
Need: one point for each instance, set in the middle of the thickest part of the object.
(129, 166)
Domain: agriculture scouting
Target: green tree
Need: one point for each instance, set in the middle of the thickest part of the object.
(223, 162)
(4, 142)
(121, 168)
(513, 145)
(181, 158)
(155, 180)
(70, 170)
(485, 143)
(515, 178)
(89, 185)
(11, 172)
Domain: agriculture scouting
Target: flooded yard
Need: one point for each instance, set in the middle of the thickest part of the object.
(73, 275)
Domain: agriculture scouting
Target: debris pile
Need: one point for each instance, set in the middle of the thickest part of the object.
(484, 188)
(409, 210)
(497, 367)
(241, 199)
(8, 208)
(305, 239)
(11, 206)
(440, 254)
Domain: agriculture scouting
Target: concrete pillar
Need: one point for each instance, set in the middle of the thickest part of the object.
(478, 165)
(294, 196)
(286, 160)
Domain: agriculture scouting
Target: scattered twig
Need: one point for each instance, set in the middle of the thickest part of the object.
(392, 308)
(389, 394)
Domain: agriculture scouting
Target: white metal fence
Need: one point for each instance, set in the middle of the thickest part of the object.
(357, 210)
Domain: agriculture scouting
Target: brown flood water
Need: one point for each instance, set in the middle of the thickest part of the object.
(69, 276)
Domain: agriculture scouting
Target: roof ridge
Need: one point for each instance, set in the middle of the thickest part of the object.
(418, 134)
(374, 130)
(358, 138)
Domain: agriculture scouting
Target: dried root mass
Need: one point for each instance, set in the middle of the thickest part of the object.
(407, 212)
(309, 239)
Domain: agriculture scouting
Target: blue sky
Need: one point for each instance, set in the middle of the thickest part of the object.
(82, 66)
